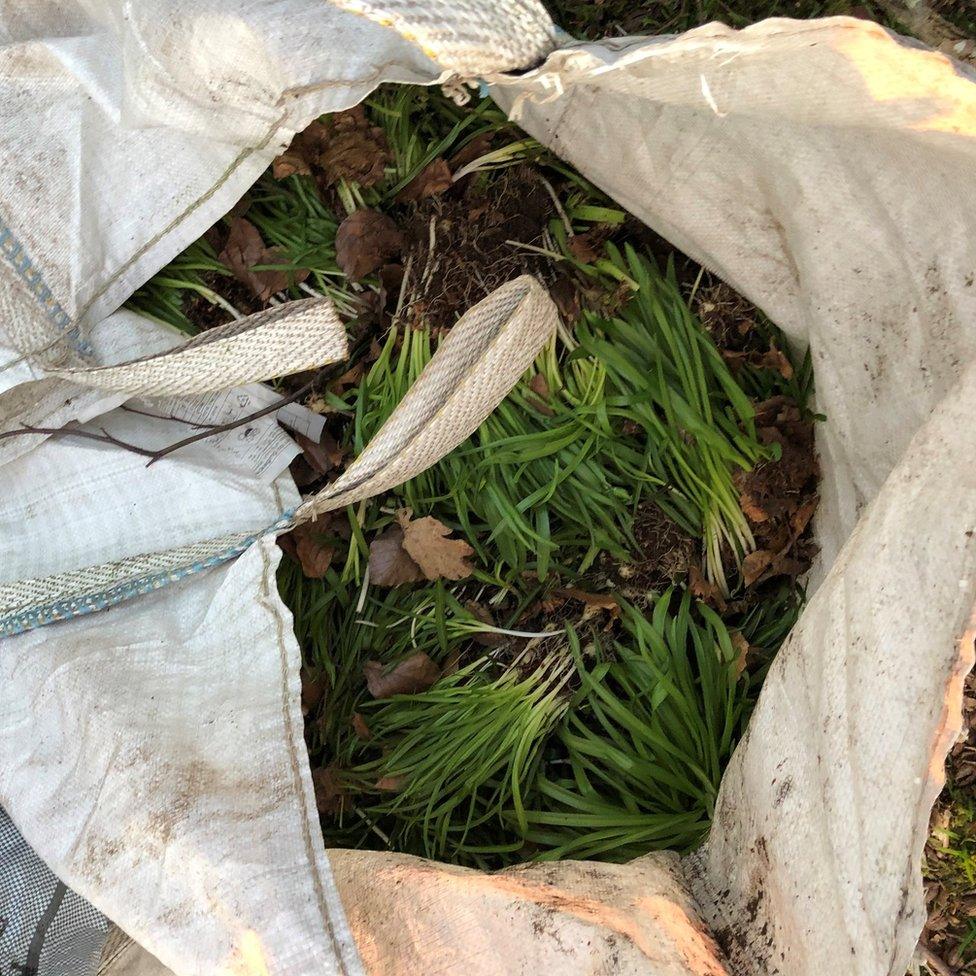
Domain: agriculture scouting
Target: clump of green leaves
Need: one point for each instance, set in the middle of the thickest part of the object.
(645, 739)
(549, 477)
(665, 372)
(602, 748)
(644, 405)
(340, 629)
(458, 758)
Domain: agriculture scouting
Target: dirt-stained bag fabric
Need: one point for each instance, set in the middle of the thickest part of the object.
(823, 169)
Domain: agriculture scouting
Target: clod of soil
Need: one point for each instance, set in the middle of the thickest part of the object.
(463, 248)
(665, 554)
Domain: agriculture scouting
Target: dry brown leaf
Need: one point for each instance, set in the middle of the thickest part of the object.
(774, 359)
(303, 152)
(565, 294)
(593, 602)
(360, 727)
(735, 360)
(349, 378)
(314, 685)
(308, 545)
(755, 564)
(245, 249)
(329, 792)
(547, 607)
(352, 149)
(290, 163)
(413, 674)
(392, 783)
(438, 557)
(743, 647)
(366, 239)
(314, 548)
(431, 181)
(323, 455)
(582, 247)
(389, 563)
(705, 589)
(801, 517)
(752, 509)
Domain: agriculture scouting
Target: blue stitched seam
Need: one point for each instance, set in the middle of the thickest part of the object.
(79, 606)
(15, 254)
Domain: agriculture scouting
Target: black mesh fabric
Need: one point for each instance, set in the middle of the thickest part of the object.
(45, 928)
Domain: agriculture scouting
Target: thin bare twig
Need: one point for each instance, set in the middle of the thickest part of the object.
(207, 430)
(323, 376)
(240, 422)
(104, 437)
(164, 416)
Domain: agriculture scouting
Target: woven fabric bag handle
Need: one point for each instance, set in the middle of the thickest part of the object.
(470, 38)
(474, 368)
(285, 339)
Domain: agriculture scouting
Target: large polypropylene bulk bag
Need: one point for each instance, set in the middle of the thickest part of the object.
(822, 168)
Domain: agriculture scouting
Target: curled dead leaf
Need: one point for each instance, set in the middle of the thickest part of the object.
(389, 563)
(583, 247)
(705, 590)
(366, 239)
(802, 516)
(774, 359)
(244, 249)
(303, 152)
(565, 293)
(425, 540)
(312, 544)
(742, 647)
(329, 792)
(349, 378)
(593, 602)
(410, 676)
(352, 149)
(751, 508)
(431, 181)
(755, 565)
(290, 163)
(360, 727)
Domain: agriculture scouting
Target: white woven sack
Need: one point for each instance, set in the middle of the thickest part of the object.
(822, 168)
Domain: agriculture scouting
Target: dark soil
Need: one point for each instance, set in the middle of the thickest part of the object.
(205, 315)
(666, 553)
(464, 246)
